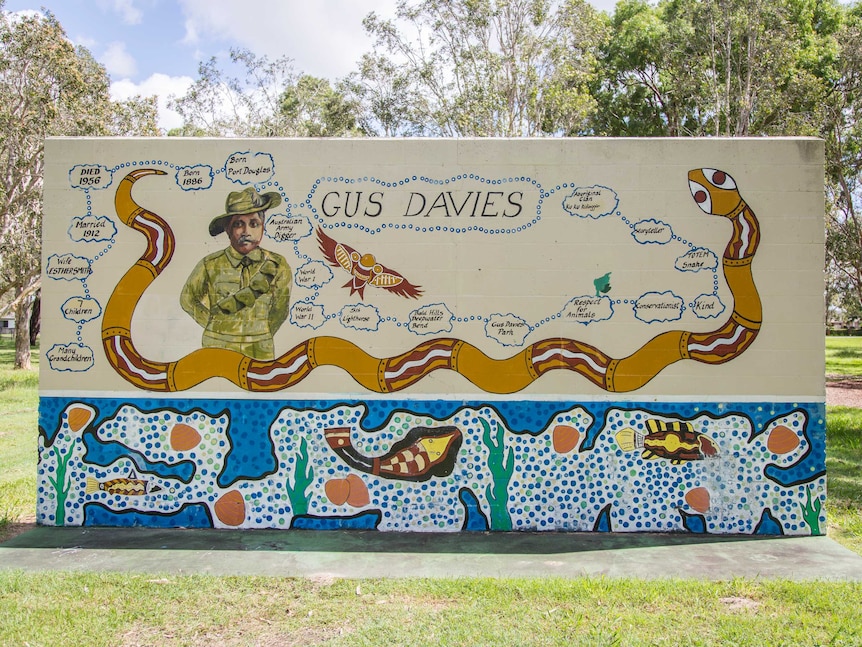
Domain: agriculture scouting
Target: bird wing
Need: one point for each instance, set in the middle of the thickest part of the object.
(336, 253)
(394, 282)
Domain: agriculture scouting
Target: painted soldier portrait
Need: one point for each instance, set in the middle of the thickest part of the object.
(240, 295)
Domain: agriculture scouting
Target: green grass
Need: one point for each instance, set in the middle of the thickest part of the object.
(98, 609)
(844, 449)
(94, 609)
(19, 402)
(844, 475)
(844, 356)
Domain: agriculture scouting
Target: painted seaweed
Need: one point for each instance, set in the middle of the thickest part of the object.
(61, 482)
(302, 478)
(811, 512)
(501, 463)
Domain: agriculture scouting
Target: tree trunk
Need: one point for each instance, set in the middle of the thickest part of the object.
(36, 319)
(22, 333)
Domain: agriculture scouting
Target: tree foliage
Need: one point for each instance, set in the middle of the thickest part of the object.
(47, 88)
(843, 133)
(264, 99)
(482, 68)
(716, 67)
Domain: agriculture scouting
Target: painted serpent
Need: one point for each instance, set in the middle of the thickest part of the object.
(714, 191)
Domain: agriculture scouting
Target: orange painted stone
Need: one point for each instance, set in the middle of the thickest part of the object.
(337, 490)
(358, 492)
(230, 508)
(78, 417)
(184, 437)
(698, 498)
(565, 438)
(782, 440)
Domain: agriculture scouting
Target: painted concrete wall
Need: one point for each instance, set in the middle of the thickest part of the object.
(434, 335)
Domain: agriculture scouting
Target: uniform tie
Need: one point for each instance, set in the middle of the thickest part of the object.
(245, 275)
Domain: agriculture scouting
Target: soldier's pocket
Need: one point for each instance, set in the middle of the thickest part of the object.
(225, 288)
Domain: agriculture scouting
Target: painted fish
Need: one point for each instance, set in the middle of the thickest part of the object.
(674, 441)
(129, 486)
(424, 452)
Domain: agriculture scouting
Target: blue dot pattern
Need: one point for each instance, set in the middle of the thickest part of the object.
(275, 455)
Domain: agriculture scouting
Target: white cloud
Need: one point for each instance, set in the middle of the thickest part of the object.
(191, 37)
(126, 9)
(23, 13)
(84, 41)
(118, 61)
(161, 85)
(323, 37)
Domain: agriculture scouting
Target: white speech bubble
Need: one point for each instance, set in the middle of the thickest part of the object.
(194, 178)
(313, 275)
(507, 329)
(68, 267)
(588, 309)
(652, 231)
(707, 306)
(591, 202)
(359, 317)
(81, 309)
(283, 228)
(92, 229)
(90, 177)
(659, 306)
(696, 260)
(307, 315)
(431, 320)
(70, 357)
(249, 168)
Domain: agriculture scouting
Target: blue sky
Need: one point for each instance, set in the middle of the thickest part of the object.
(154, 46)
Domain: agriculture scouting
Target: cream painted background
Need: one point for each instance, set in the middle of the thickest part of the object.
(532, 274)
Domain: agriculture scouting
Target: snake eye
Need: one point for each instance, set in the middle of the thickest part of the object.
(354, 256)
(719, 179)
(701, 196)
(377, 269)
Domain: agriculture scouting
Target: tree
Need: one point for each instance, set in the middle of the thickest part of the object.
(47, 88)
(383, 93)
(843, 134)
(314, 108)
(267, 99)
(716, 67)
(481, 68)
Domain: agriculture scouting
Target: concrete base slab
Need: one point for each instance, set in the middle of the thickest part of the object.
(359, 554)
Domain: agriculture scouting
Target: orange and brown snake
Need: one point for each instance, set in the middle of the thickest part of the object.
(714, 191)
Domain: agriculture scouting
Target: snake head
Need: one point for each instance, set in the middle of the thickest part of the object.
(714, 191)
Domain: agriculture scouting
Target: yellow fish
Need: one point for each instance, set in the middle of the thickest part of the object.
(129, 486)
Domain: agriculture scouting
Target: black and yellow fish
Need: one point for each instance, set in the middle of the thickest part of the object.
(424, 452)
(129, 486)
(677, 442)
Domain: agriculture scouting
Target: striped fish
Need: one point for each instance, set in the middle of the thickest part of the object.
(129, 486)
(424, 452)
(675, 441)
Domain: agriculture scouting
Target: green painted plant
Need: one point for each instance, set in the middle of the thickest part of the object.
(302, 477)
(60, 482)
(501, 462)
(811, 513)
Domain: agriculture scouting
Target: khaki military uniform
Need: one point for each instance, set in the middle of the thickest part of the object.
(240, 301)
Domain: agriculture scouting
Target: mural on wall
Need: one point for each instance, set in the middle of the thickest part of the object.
(502, 467)
(127, 448)
(241, 305)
